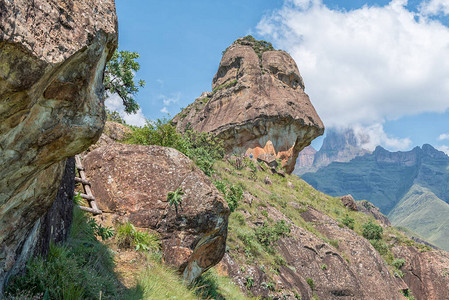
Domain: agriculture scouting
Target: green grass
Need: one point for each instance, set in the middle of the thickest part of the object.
(80, 269)
(129, 237)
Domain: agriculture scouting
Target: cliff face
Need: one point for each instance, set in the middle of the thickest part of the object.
(258, 104)
(52, 57)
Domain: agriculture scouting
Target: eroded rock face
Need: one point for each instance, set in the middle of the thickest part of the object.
(258, 105)
(52, 58)
(132, 182)
(426, 273)
(346, 266)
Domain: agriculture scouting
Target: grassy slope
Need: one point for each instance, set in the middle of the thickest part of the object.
(426, 214)
(245, 248)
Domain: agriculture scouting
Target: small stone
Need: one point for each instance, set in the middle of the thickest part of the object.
(268, 180)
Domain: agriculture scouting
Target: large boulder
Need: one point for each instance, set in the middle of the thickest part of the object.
(52, 58)
(132, 182)
(258, 104)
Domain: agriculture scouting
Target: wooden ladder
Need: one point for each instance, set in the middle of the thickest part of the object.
(87, 189)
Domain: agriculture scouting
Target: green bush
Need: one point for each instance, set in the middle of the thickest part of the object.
(268, 234)
(129, 237)
(232, 194)
(372, 231)
(380, 246)
(398, 263)
(203, 148)
(348, 222)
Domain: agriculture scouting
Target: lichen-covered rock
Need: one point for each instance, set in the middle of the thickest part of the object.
(131, 182)
(349, 202)
(52, 57)
(113, 132)
(426, 273)
(258, 104)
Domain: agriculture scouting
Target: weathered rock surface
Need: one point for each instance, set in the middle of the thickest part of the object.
(369, 209)
(349, 202)
(305, 159)
(258, 105)
(347, 267)
(426, 273)
(132, 182)
(113, 132)
(52, 57)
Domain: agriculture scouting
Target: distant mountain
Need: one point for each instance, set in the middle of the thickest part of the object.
(392, 181)
(338, 145)
(424, 213)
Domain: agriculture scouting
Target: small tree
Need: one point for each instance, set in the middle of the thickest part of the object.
(174, 198)
(119, 78)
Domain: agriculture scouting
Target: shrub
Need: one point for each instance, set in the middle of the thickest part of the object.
(232, 194)
(203, 148)
(268, 234)
(129, 237)
(372, 231)
(348, 222)
(398, 263)
(380, 246)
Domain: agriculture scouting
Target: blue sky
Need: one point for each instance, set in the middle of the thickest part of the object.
(380, 67)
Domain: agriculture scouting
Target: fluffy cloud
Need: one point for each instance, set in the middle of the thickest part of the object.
(368, 65)
(164, 110)
(443, 136)
(434, 7)
(114, 103)
(375, 135)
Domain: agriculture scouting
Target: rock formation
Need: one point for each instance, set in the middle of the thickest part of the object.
(371, 210)
(348, 201)
(52, 57)
(305, 159)
(258, 104)
(347, 268)
(131, 182)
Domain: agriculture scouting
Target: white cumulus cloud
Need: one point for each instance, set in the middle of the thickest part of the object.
(367, 65)
(114, 103)
(376, 136)
(173, 98)
(443, 136)
(434, 7)
(164, 110)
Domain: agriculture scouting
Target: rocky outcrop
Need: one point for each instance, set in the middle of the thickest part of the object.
(131, 182)
(258, 104)
(344, 267)
(426, 273)
(371, 210)
(52, 57)
(348, 201)
(305, 159)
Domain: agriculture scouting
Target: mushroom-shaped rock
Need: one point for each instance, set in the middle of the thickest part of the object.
(258, 104)
(132, 182)
(52, 58)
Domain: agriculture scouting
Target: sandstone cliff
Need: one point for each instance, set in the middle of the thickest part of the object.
(131, 183)
(258, 104)
(52, 57)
